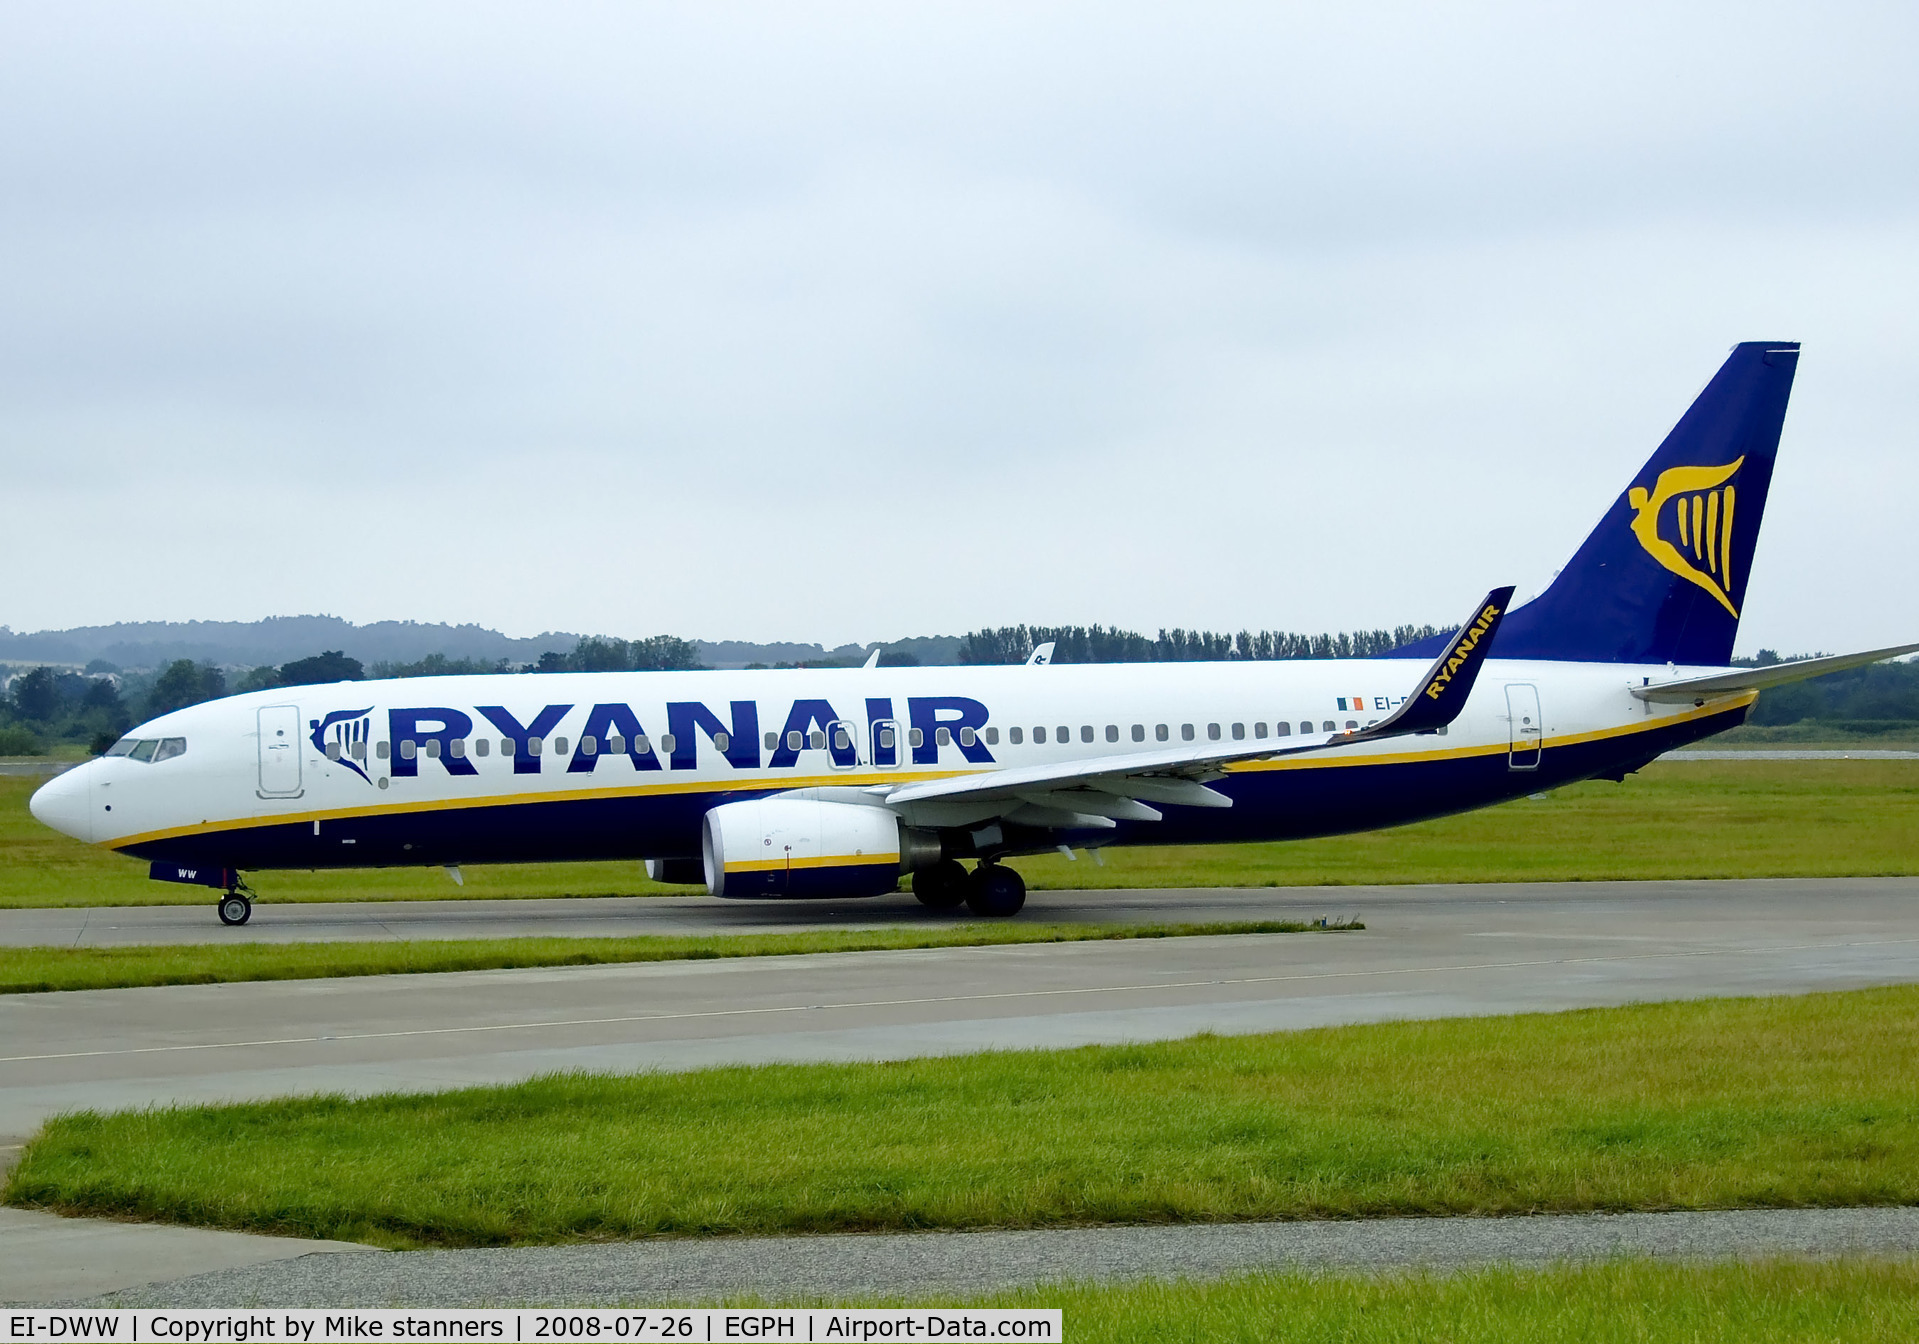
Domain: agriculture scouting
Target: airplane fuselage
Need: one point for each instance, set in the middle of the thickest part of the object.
(520, 768)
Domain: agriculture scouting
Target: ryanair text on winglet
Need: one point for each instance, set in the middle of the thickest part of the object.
(1469, 640)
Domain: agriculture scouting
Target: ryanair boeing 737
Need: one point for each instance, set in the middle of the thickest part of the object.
(839, 782)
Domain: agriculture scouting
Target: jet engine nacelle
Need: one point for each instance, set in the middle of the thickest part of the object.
(798, 848)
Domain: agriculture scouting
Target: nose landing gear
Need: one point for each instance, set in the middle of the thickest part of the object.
(236, 907)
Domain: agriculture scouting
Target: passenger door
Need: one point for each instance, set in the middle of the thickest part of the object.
(1522, 708)
(279, 751)
(842, 745)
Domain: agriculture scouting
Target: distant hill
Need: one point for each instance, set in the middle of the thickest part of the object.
(146, 645)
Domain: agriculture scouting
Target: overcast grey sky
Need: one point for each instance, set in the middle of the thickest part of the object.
(843, 322)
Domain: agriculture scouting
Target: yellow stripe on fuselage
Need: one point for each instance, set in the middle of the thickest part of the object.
(1338, 759)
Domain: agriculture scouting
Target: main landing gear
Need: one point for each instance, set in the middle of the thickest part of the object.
(236, 907)
(991, 889)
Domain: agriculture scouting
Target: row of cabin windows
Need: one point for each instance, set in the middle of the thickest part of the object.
(795, 740)
(1187, 732)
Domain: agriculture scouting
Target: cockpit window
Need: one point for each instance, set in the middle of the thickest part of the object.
(169, 748)
(148, 750)
(124, 747)
(143, 751)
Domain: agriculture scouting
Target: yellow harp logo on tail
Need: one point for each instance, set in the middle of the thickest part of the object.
(1703, 500)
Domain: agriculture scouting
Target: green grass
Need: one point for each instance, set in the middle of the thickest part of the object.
(1773, 1102)
(1626, 1302)
(30, 970)
(1677, 819)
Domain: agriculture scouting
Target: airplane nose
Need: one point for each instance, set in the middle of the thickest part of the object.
(63, 803)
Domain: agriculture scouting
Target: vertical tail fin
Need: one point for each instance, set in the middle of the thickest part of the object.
(1662, 579)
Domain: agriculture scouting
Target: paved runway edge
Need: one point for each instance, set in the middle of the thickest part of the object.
(937, 1266)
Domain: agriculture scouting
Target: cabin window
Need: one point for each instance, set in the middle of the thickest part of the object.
(1329, 727)
(458, 747)
(943, 737)
(1442, 730)
(382, 751)
(559, 746)
(1186, 732)
(433, 748)
(795, 740)
(533, 746)
(407, 750)
(173, 746)
(1015, 735)
(992, 736)
(1259, 730)
(615, 745)
(1239, 732)
(1112, 732)
(1282, 730)
(359, 749)
(1351, 724)
(915, 738)
(888, 738)
(506, 747)
(333, 751)
(1212, 732)
(1065, 734)
(772, 741)
(721, 741)
(1086, 732)
(1139, 732)
(481, 745)
(1039, 736)
(1160, 732)
(641, 746)
(968, 737)
(667, 743)
(841, 741)
(816, 739)
(589, 745)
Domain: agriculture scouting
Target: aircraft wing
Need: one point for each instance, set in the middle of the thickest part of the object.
(1758, 678)
(1101, 790)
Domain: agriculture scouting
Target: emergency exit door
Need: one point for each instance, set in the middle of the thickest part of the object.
(280, 751)
(1522, 707)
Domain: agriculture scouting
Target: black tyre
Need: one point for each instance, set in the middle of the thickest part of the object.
(995, 892)
(941, 887)
(235, 909)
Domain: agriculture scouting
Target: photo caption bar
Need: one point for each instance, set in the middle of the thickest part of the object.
(140, 1325)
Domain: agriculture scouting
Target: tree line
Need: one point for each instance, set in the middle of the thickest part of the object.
(47, 705)
(1098, 644)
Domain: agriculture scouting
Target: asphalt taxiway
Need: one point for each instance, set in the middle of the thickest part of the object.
(1426, 952)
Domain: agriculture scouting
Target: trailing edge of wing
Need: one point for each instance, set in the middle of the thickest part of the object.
(1758, 678)
(1435, 702)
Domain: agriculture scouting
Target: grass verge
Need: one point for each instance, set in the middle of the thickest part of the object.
(1672, 820)
(32, 970)
(1723, 1103)
(1630, 1302)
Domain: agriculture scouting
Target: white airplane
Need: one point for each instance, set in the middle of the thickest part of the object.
(838, 782)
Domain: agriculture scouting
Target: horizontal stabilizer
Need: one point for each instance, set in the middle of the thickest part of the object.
(1758, 678)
